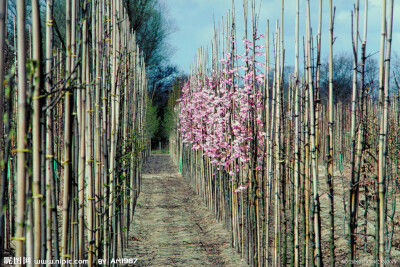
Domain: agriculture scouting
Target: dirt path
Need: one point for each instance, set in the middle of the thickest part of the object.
(172, 226)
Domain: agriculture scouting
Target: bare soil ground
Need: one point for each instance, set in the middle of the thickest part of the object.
(341, 194)
(172, 226)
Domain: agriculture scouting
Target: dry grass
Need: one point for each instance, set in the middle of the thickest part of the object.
(173, 227)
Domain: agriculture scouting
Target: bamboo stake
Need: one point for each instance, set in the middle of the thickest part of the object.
(81, 111)
(267, 147)
(318, 252)
(67, 138)
(317, 86)
(89, 143)
(383, 132)
(3, 31)
(297, 141)
(114, 116)
(36, 125)
(330, 149)
(277, 250)
(50, 201)
(21, 133)
(306, 160)
(125, 134)
(105, 131)
(354, 184)
(271, 146)
(97, 145)
(3, 167)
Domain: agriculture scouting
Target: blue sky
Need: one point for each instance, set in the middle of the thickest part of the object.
(193, 20)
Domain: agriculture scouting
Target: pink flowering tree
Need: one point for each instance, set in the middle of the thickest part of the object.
(220, 113)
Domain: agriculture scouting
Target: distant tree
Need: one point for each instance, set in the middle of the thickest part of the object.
(159, 88)
(342, 78)
(59, 17)
(147, 19)
(163, 77)
(371, 76)
(152, 122)
(169, 122)
(152, 28)
(396, 74)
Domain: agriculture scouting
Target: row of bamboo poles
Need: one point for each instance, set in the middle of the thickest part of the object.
(73, 136)
(317, 155)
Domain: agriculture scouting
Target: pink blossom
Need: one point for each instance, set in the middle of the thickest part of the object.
(214, 111)
(242, 187)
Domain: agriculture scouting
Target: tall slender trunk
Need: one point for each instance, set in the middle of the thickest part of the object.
(281, 141)
(353, 184)
(383, 132)
(50, 203)
(21, 132)
(318, 252)
(105, 125)
(296, 142)
(125, 135)
(271, 150)
(306, 159)
(53, 187)
(82, 145)
(268, 147)
(3, 170)
(278, 156)
(330, 144)
(36, 125)
(97, 146)
(114, 116)
(67, 137)
(89, 142)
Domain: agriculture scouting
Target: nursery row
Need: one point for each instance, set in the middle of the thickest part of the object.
(297, 177)
(73, 136)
